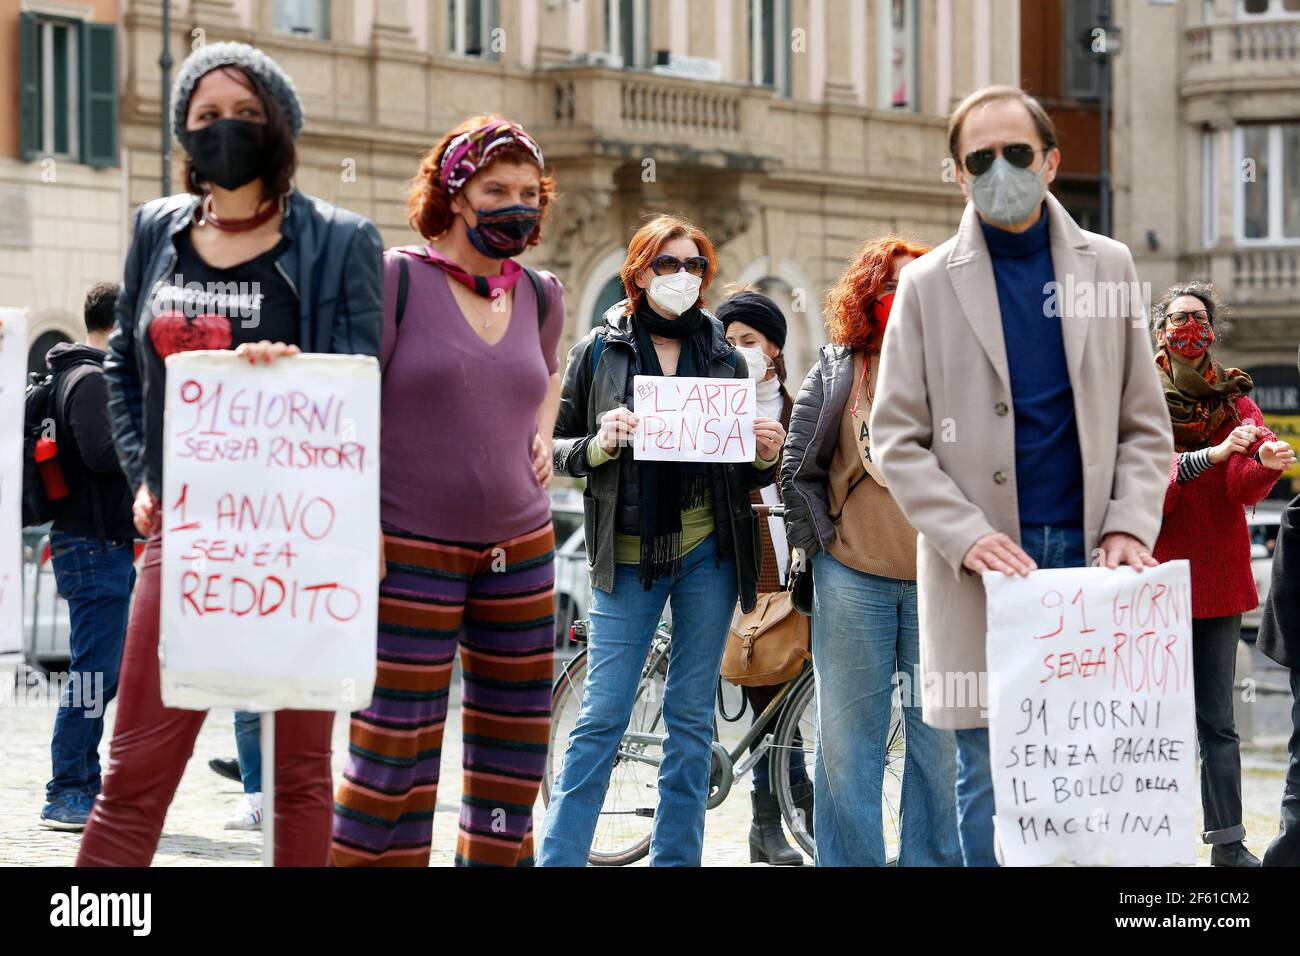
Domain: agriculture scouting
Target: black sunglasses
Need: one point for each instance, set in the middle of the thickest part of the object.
(1021, 155)
(667, 265)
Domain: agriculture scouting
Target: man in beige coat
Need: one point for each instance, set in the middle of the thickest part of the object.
(1019, 421)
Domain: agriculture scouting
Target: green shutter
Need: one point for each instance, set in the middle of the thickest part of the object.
(29, 58)
(99, 94)
(493, 21)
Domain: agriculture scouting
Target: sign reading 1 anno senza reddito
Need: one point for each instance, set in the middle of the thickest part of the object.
(1092, 727)
(270, 560)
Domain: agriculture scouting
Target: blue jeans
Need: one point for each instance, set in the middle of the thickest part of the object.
(864, 638)
(1050, 548)
(96, 579)
(248, 743)
(623, 622)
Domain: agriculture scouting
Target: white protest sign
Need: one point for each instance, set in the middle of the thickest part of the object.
(13, 383)
(270, 532)
(693, 419)
(1092, 728)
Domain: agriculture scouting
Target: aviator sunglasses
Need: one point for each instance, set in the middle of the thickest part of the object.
(1020, 155)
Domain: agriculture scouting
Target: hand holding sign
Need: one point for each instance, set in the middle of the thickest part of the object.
(617, 426)
(695, 419)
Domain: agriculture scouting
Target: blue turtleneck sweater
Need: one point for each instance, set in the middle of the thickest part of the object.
(1049, 467)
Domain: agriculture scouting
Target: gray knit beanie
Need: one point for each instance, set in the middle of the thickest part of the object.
(212, 55)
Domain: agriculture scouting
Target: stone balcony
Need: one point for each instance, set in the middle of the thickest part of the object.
(1239, 57)
(1261, 284)
(637, 115)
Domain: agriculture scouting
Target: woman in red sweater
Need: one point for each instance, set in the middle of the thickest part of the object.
(1225, 461)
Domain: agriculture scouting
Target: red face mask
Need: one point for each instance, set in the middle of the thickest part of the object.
(880, 310)
(1191, 340)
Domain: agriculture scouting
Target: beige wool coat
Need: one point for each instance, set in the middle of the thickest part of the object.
(944, 429)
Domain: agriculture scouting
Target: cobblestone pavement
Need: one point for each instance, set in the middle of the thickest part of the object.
(193, 833)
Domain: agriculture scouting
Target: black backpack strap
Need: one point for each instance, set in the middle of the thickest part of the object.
(539, 292)
(403, 288)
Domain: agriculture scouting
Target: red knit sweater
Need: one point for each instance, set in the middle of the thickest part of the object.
(1205, 522)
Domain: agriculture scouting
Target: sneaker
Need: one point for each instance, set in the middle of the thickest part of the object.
(248, 815)
(68, 811)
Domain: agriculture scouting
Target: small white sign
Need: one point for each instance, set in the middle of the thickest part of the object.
(1092, 729)
(694, 419)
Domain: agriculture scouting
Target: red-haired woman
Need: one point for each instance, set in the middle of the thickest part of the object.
(863, 552)
(656, 531)
(470, 392)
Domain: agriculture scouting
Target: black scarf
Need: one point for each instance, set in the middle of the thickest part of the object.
(669, 488)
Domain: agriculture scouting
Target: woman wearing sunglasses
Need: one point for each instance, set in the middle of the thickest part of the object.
(865, 635)
(657, 532)
(470, 389)
(1224, 459)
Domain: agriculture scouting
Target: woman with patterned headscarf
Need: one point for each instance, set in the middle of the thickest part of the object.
(1225, 460)
(470, 394)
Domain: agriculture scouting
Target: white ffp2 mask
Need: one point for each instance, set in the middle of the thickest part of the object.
(676, 292)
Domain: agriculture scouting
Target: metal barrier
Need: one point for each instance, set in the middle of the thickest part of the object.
(46, 628)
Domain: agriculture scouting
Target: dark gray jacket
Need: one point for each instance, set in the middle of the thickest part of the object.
(334, 265)
(583, 402)
(810, 446)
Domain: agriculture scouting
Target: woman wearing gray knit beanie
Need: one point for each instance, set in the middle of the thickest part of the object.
(307, 278)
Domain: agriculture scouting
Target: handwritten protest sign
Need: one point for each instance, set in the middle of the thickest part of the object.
(270, 532)
(13, 375)
(693, 419)
(1092, 724)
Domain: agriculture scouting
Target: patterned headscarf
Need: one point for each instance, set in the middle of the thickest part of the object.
(470, 151)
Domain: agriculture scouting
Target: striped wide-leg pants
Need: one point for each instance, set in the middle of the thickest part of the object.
(497, 602)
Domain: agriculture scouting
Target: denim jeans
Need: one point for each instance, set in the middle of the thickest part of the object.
(623, 622)
(96, 578)
(1050, 548)
(864, 633)
(248, 744)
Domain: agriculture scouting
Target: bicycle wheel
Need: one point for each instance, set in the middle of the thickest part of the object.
(627, 815)
(796, 733)
(796, 730)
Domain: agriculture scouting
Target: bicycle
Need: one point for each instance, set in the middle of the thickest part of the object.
(626, 820)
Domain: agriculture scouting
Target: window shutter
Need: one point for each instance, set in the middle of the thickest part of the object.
(29, 123)
(99, 94)
(493, 14)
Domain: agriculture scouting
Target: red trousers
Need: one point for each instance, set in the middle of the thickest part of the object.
(151, 745)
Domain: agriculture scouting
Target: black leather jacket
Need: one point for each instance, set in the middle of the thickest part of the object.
(334, 265)
(810, 446)
(583, 402)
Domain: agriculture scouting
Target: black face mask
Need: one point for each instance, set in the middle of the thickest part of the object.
(229, 152)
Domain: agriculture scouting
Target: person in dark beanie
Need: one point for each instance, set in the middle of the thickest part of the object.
(92, 551)
(756, 324)
(241, 261)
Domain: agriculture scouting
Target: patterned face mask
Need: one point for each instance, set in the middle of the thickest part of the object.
(502, 233)
(1191, 340)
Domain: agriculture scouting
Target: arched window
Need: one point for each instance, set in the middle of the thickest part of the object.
(44, 342)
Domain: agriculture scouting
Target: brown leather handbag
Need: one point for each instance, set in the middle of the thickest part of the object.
(769, 645)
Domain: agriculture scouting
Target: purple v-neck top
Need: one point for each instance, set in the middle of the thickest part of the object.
(459, 415)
